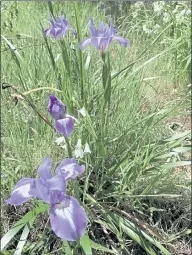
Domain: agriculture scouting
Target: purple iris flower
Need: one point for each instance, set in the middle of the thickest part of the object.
(101, 38)
(68, 219)
(58, 28)
(64, 124)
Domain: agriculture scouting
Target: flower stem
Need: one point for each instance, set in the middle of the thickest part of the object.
(105, 102)
(68, 147)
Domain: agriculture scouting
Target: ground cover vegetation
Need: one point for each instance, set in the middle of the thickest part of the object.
(95, 126)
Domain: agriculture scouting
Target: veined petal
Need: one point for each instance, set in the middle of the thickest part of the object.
(56, 108)
(121, 40)
(70, 169)
(68, 219)
(20, 193)
(44, 170)
(57, 32)
(40, 190)
(64, 163)
(102, 43)
(65, 126)
(56, 183)
(85, 43)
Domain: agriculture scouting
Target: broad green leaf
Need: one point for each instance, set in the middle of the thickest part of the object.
(85, 244)
(66, 248)
(100, 247)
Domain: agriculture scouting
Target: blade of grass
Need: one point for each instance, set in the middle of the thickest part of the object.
(24, 236)
(21, 223)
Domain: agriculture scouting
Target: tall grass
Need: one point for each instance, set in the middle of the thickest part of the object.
(133, 150)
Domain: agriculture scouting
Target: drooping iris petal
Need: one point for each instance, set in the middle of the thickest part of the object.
(20, 193)
(56, 183)
(85, 43)
(121, 40)
(44, 170)
(56, 108)
(65, 126)
(46, 32)
(40, 190)
(70, 169)
(68, 219)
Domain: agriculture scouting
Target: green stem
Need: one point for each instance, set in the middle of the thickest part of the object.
(80, 54)
(68, 147)
(105, 102)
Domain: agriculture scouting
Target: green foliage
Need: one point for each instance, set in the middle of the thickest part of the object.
(133, 150)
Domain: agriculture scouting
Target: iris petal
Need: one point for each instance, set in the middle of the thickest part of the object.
(101, 43)
(121, 40)
(44, 170)
(65, 126)
(68, 219)
(85, 43)
(20, 193)
(56, 183)
(70, 169)
(40, 190)
(56, 108)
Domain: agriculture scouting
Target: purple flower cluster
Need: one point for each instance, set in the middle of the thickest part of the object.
(101, 38)
(68, 219)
